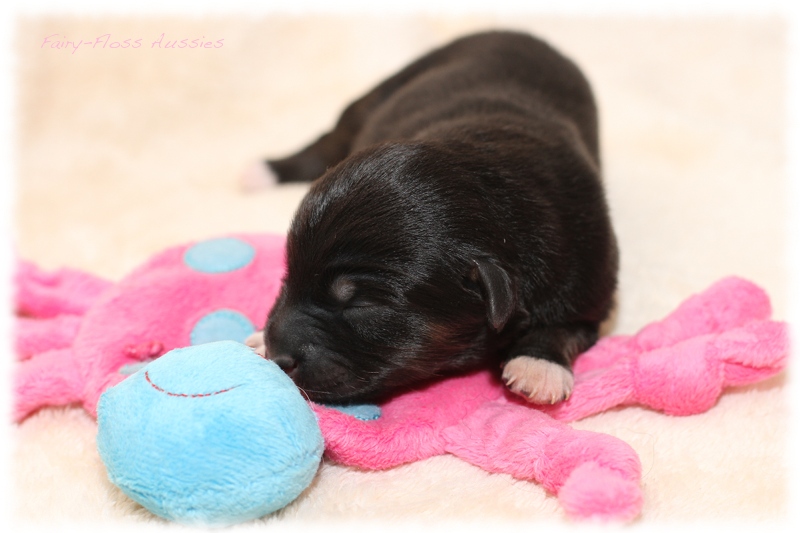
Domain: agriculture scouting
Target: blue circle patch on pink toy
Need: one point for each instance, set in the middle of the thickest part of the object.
(221, 325)
(209, 435)
(363, 411)
(216, 256)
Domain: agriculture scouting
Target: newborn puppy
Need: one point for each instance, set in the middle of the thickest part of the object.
(457, 221)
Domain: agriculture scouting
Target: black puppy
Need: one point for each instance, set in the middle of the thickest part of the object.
(457, 221)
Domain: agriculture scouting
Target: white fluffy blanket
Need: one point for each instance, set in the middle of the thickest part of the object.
(123, 152)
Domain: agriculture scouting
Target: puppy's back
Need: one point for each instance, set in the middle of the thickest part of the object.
(494, 77)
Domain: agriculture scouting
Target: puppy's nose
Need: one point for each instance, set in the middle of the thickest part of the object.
(287, 363)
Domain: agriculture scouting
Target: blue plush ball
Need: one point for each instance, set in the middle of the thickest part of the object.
(209, 435)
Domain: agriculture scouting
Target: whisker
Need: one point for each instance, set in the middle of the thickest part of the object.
(305, 392)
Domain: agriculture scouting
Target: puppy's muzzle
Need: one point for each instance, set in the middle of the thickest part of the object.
(285, 339)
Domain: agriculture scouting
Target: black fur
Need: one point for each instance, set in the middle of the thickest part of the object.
(457, 220)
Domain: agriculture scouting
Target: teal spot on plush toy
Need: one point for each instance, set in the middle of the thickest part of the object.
(222, 325)
(209, 435)
(364, 411)
(216, 256)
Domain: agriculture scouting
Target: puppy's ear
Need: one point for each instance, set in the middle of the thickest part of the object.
(497, 290)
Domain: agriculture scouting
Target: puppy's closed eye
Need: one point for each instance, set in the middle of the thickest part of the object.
(343, 289)
(347, 293)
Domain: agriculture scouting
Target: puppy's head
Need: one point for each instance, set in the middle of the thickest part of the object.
(382, 290)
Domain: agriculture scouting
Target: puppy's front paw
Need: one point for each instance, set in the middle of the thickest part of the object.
(257, 176)
(256, 342)
(537, 380)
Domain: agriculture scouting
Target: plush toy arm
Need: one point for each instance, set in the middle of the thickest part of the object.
(688, 378)
(33, 335)
(375, 445)
(51, 378)
(410, 425)
(596, 391)
(754, 352)
(728, 303)
(683, 379)
(48, 294)
(594, 475)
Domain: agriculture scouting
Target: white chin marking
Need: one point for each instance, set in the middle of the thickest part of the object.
(257, 176)
(537, 380)
(256, 342)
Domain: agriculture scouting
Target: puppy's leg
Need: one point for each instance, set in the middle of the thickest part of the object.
(539, 366)
(312, 161)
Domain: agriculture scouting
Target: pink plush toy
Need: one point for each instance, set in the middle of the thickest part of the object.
(80, 335)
